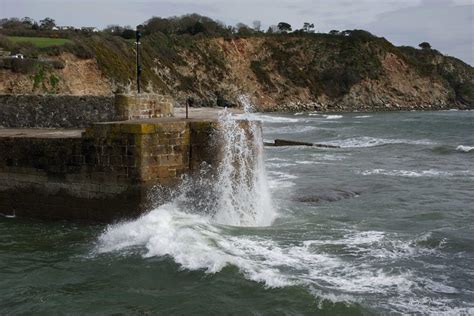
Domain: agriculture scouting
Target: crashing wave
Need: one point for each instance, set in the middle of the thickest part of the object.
(465, 149)
(332, 117)
(361, 142)
(406, 173)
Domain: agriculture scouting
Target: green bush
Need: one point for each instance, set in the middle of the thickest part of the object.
(23, 66)
(261, 74)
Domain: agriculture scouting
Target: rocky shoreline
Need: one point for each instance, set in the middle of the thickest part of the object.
(293, 108)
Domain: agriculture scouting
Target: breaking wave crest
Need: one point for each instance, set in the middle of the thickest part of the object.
(332, 117)
(407, 173)
(465, 149)
(196, 243)
(361, 142)
(416, 174)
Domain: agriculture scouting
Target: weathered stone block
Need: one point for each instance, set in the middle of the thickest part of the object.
(133, 107)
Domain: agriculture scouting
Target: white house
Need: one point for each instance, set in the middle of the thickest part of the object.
(17, 56)
(67, 28)
(90, 29)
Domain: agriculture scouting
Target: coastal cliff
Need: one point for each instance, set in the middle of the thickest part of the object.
(349, 71)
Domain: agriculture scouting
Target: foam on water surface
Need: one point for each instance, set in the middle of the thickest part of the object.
(465, 149)
(366, 141)
(350, 267)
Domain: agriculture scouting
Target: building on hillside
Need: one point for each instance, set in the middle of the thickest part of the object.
(90, 29)
(17, 56)
(67, 28)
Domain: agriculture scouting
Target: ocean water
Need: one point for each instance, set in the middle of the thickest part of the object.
(382, 225)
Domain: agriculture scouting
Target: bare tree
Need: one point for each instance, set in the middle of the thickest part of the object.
(257, 25)
(272, 29)
(308, 27)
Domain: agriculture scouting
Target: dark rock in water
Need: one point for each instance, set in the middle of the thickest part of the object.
(326, 146)
(327, 196)
(285, 142)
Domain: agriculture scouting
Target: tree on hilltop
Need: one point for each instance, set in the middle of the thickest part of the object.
(47, 23)
(284, 27)
(272, 29)
(28, 22)
(243, 29)
(425, 45)
(257, 25)
(308, 27)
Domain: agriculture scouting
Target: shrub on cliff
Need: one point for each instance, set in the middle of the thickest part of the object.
(191, 24)
(262, 75)
(322, 63)
(425, 45)
(456, 74)
(23, 66)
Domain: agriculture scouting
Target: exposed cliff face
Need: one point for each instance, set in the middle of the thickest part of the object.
(293, 73)
(317, 77)
(78, 77)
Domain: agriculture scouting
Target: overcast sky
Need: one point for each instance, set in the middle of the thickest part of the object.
(447, 24)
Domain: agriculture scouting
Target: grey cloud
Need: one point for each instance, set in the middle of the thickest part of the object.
(448, 27)
(446, 24)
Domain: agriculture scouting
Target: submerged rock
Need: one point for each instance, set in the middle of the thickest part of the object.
(327, 196)
(285, 142)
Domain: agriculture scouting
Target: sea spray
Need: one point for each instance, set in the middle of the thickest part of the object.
(246, 104)
(234, 190)
(241, 187)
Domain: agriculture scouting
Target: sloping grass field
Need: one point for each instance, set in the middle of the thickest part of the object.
(40, 42)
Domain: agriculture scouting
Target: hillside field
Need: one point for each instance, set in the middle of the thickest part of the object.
(40, 42)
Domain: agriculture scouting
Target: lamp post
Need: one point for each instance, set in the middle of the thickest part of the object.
(139, 66)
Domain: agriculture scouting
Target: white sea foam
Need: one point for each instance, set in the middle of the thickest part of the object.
(203, 241)
(407, 173)
(362, 116)
(281, 164)
(305, 162)
(365, 141)
(328, 157)
(276, 159)
(292, 129)
(273, 119)
(465, 149)
(278, 180)
(332, 117)
(196, 243)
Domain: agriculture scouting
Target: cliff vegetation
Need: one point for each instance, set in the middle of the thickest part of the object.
(195, 58)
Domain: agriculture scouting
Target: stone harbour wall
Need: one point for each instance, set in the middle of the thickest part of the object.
(69, 111)
(132, 107)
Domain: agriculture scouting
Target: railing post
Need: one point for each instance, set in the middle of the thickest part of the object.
(139, 66)
(187, 107)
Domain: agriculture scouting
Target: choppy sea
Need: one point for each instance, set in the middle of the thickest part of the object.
(382, 225)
